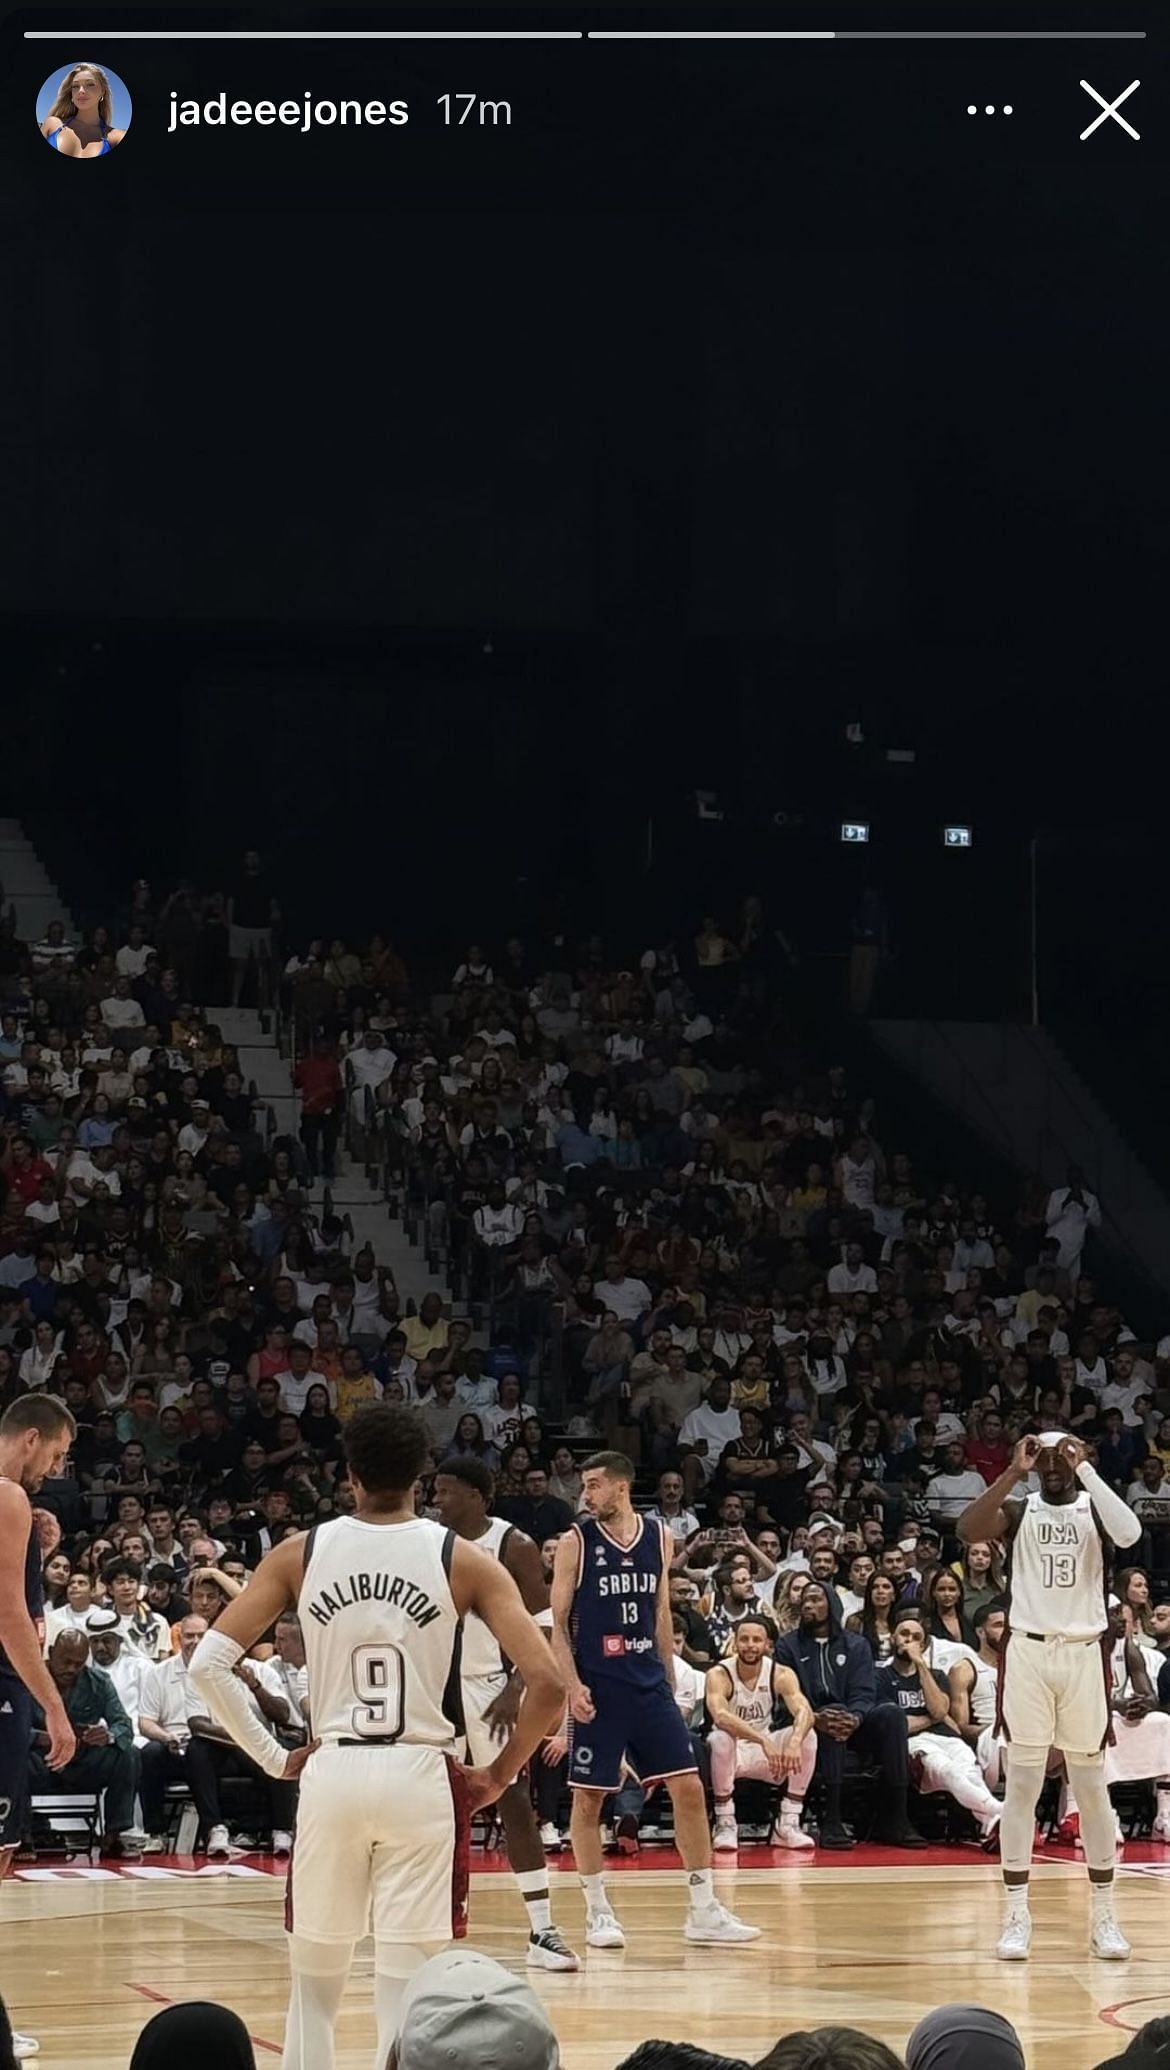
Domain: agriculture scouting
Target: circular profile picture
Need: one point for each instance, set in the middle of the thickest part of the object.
(84, 111)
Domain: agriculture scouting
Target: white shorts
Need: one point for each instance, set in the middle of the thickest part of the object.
(938, 1754)
(479, 1694)
(382, 1845)
(989, 1754)
(1140, 1752)
(1052, 1694)
(751, 1762)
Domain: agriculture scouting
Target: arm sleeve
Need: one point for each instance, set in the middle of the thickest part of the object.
(1115, 1514)
(213, 1678)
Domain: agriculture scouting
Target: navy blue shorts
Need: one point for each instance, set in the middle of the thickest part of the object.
(15, 1729)
(639, 1724)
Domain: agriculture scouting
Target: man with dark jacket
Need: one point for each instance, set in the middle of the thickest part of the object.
(106, 1758)
(836, 1672)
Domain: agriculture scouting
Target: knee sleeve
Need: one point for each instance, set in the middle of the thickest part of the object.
(395, 1963)
(1086, 1775)
(319, 1958)
(1025, 1780)
(319, 1971)
(402, 1958)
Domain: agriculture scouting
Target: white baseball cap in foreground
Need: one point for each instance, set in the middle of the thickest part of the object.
(462, 2009)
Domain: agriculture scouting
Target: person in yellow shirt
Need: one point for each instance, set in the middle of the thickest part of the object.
(356, 1387)
(750, 1388)
(426, 1331)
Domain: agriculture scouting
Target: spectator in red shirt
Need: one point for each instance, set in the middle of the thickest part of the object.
(24, 1170)
(89, 1354)
(318, 1080)
(988, 1452)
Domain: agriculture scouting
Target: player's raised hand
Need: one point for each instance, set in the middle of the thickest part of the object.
(297, 1759)
(1072, 1449)
(1024, 1457)
(581, 1705)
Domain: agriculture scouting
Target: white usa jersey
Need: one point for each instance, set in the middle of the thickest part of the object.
(382, 1635)
(481, 1652)
(1058, 1570)
(753, 1705)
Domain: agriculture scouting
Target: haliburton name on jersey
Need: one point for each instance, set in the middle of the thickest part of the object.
(374, 1588)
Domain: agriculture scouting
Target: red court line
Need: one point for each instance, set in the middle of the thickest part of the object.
(1109, 2013)
(160, 1998)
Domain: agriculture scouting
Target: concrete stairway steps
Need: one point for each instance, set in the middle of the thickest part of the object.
(28, 886)
(261, 1061)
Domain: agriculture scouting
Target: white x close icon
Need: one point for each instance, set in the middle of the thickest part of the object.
(1110, 109)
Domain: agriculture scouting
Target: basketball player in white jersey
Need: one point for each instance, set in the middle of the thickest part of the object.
(1053, 1690)
(744, 1693)
(384, 1808)
(973, 1680)
(491, 1695)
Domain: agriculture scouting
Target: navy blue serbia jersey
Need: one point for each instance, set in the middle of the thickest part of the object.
(615, 1610)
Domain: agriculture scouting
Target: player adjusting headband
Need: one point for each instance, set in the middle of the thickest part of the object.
(1050, 1440)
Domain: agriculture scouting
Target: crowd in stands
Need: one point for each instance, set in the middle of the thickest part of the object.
(678, 1234)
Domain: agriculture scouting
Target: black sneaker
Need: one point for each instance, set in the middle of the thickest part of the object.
(549, 1950)
(836, 1836)
(904, 1835)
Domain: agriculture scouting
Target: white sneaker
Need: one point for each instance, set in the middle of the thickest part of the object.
(1162, 1826)
(218, 1842)
(24, 2046)
(725, 1838)
(1016, 1938)
(603, 1931)
(550, 1839)
(153, 1844)
(549, 1950)
(790, 1833)
(1109, 1942)
(714, 1924)
(282, 1843)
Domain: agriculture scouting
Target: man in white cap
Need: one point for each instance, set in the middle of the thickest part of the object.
(1054, 1683)
(461, 2010)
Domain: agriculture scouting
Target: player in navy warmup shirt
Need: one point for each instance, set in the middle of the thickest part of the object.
(614, 1644)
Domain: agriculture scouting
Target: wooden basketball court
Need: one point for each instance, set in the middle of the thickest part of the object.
(87, 1955)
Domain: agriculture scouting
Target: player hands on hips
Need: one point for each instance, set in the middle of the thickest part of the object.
(1053, 1681)
(613, 1642)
